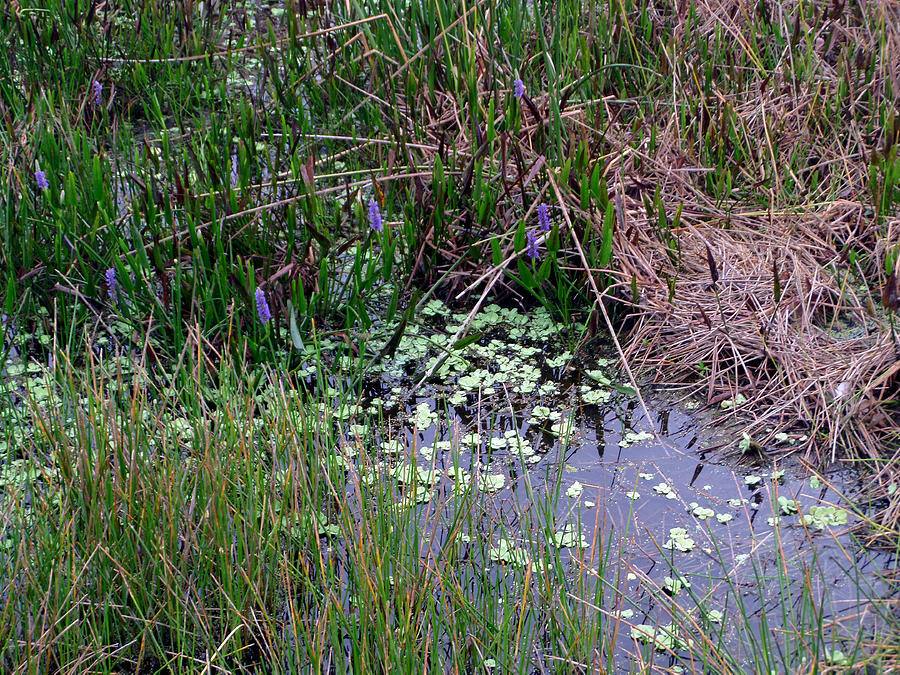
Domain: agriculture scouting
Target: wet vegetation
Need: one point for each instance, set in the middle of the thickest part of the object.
(469, 336)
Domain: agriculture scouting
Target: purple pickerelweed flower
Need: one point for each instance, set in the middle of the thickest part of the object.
(97, 89)
(375, 216)
(543, 217)
(262, 306)
(112, 285)
(518, 88)
(532, 251)
(41, 179)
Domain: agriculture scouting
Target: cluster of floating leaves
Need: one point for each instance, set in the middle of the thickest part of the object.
(508, 553)
(664, 638)
(516, 361)
(513, 369)
(569, 536)
(821, 517)
(679, 540)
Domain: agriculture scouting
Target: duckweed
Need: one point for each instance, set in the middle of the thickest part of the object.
(672, 585)
(679, 541)
(506, 552)
(700, 512)
(821, 517)
(787, 507)
(569, 537)
(575, 490)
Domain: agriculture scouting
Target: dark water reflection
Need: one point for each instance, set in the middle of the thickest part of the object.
(746, 560)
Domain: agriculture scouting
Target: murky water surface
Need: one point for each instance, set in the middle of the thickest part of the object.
(522, 416)
(688, 523)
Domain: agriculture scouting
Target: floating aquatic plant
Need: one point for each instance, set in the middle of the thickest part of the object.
(575, 490)
(701, 512)
(715, 616)
(593, 396)
(787, 507)
(738, 400)
(665, 489)
(392, 447)
(632, 437)
(568, 537)
(540, 412)
(507, 552)
(457, 398)
(563, 429)
(679, 540)
(674, 584)
(598, 376)
(837, 658)
(416, 494)
(470, 440)
(560, 359)
(461, 478)
(498, 443)
(663, 638)
(821, 517)
(492, 482)
(424, 417)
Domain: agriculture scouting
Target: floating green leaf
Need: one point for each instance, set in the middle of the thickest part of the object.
(679, 540)
(568, 537)
(575, 490)
(821, 517)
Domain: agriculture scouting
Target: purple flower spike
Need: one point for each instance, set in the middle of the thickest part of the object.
(97, 88)
(262, 306)
(41, 179)
(375, 216)
(543, 212)
(532, 251)
(112, 285)
(518, 88)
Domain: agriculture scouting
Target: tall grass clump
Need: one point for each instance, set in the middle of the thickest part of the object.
(250, 528)
(196, 194)
(204, 155)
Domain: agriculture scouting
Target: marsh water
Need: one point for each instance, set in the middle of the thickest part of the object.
(536, 420)
(726, 532)
(529, 420)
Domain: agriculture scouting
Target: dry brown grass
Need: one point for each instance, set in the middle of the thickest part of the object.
(822, 360)
(814, 353)
(819, 357)
(815, 356)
